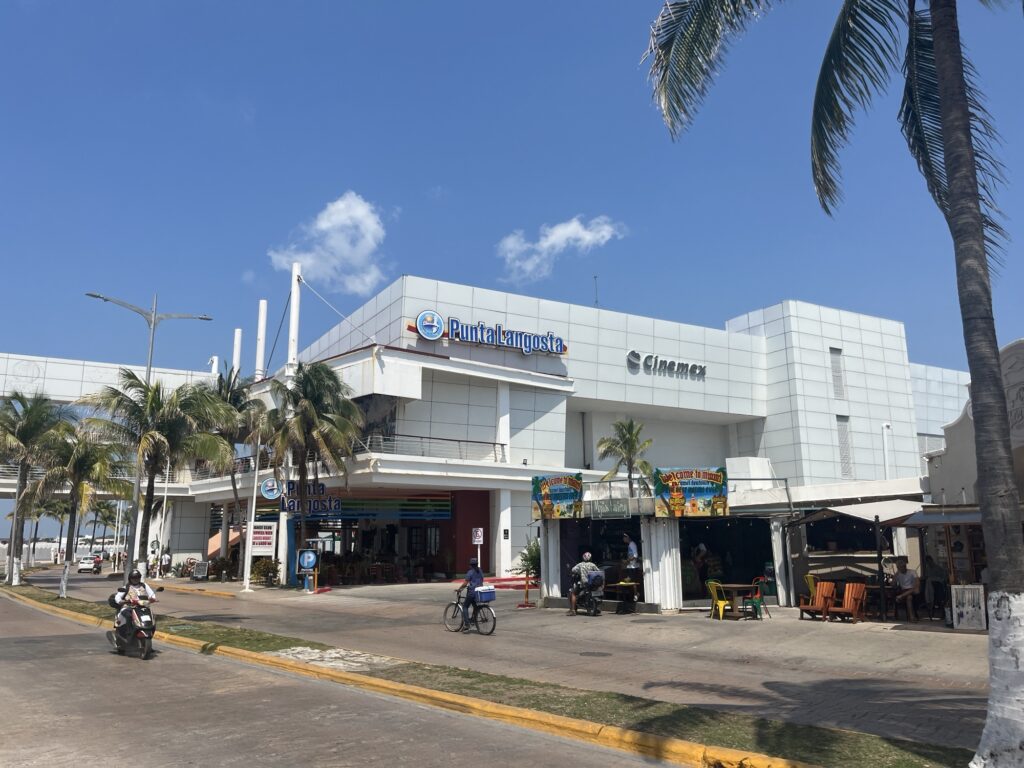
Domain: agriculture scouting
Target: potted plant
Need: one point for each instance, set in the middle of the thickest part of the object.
(529, 566)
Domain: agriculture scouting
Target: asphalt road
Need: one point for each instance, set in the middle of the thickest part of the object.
(845, 676)
(69, 700)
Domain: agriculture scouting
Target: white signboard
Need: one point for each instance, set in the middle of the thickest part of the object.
(263, 535)
(478, 536)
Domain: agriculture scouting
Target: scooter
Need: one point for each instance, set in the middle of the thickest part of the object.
(138, 630)
(590, 593)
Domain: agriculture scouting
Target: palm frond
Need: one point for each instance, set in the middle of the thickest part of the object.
(688, 42)
(861, 53)
(920, 119)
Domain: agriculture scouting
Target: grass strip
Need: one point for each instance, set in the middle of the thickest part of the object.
(808, 743)
(204, 631)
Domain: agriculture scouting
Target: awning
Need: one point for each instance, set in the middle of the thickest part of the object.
(938, 516)
(890, 512)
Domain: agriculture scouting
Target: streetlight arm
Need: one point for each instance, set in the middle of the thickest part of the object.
(179, 316)
(137, 310)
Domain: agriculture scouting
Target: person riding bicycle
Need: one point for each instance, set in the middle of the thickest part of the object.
(474, 579)
(580, 580)
(136, 590)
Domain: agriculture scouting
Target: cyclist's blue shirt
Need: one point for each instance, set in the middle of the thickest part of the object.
(475, 577)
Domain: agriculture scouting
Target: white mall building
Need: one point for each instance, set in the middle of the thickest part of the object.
(470, 392)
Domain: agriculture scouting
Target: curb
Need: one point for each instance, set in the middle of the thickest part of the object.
(199, 591)
(667, 749)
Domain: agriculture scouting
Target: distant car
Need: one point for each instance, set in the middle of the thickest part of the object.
(90, 564)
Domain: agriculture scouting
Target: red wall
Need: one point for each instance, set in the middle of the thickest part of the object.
(471, 509)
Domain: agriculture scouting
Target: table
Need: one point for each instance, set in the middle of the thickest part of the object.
(735, 593)
(874, 593)
(624, 589)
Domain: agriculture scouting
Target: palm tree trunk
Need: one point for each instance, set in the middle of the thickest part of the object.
(147, 512)
(35, 536)
(629, 473)
(69, 548)
(95, 522)
(13, 576)
(997, 491)
(238, 510)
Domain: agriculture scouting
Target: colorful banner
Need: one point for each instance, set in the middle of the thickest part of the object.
(700, 492)
(556, 496)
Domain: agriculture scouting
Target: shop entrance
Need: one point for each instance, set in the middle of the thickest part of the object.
(604, 540)
(730, 549)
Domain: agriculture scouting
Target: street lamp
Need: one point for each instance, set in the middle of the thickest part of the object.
(152, 320)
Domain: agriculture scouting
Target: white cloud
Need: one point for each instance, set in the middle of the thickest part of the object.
(248, 277)
(339, 247)
(526, 261)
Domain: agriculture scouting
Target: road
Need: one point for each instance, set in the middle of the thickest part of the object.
(70, 701)
(845, 676)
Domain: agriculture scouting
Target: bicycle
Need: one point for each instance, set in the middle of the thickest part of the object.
(482, 618)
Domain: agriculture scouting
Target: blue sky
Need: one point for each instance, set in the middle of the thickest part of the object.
(178, 146)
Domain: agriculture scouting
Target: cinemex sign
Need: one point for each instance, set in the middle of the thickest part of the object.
(431, 326)
(659, 366)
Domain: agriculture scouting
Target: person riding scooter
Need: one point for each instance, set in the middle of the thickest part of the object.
(136, 590)
(581, 581)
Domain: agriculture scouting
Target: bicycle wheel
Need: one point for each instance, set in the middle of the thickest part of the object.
(453, 617)
(485, 620)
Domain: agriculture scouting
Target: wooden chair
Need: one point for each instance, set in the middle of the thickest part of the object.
(718, 600)
(756, 599)
(823, 597)
(854, 599)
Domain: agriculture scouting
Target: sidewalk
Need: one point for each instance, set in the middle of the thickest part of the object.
(871, 677)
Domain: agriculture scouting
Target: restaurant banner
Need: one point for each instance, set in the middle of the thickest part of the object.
(557, 496)
(696, 492)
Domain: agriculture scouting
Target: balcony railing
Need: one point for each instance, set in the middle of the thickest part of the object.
(9, 473)
(433, 447)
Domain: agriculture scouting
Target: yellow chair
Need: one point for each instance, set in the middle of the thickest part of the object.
(717, 600)
(812, 583)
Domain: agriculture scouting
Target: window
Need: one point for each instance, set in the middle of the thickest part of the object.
(845, 456)
(838, 380)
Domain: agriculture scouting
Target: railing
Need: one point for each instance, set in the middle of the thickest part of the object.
(9, 472)
(433, 447)
(242, 465)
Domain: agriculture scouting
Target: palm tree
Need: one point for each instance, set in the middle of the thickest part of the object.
(313, 418)
(105, 514)
(82, 463)
(26, 423)
(57, 509)
(243, 420)
(950, 136)
(157, 427)
(626, 447)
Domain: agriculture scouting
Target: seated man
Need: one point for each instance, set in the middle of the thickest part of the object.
(907, 585)
(579, 575)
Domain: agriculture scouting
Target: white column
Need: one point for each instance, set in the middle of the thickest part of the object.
(236, 353)
(282, 547)
(659, 547)
(504, 425)
(501, 521)
(550, 568)
(261, 340)
(779, 556)
(214, 364)
(293, 321)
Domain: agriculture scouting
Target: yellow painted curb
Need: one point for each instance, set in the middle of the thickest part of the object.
(677, 751)
(198, 591)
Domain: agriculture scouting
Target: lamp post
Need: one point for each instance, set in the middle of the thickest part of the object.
(152, 320)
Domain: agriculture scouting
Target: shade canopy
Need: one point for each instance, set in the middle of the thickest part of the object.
(939, 516)
(890, 512)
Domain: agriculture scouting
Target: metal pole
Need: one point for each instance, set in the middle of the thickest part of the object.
(247, 574)
(791, 592)
(881, 573)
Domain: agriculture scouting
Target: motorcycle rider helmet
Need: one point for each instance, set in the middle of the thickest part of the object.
(586, 557)
(135, 578)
